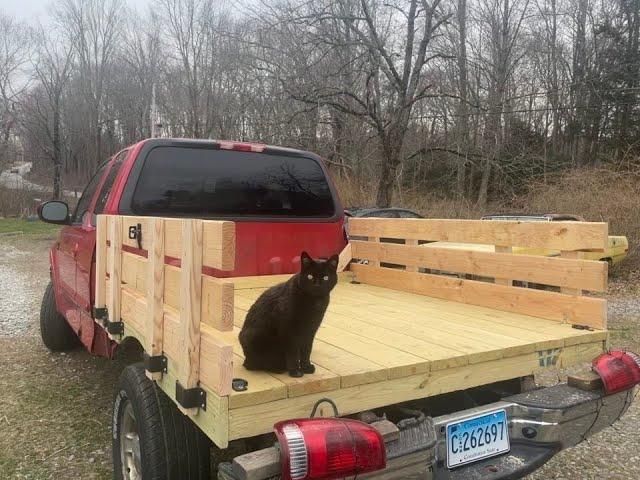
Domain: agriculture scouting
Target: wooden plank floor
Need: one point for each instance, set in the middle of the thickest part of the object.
(372, 334)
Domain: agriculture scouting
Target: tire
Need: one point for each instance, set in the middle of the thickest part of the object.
(170, 445)
(56, 333)
(609, 265)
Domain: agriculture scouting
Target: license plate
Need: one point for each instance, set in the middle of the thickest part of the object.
(476, 438)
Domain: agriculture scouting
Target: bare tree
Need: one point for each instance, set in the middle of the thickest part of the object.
(504, 21)
(52, 70)
(15, 43)
(141, 67)
(93, 27)
(194, 43)
(391, 43)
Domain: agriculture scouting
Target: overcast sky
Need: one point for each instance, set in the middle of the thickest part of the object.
(33, 10)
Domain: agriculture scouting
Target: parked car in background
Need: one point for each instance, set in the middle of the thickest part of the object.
(616, 251)
(376, 212)
(392, 212)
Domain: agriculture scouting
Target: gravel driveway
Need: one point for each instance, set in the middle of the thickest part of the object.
(23, 278)
(63, 431)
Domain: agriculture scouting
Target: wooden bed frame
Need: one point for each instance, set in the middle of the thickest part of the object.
(159, 281)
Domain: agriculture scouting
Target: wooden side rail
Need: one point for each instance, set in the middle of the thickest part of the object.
(560, 272)
(154, 279)
(551, 235)
(576, 310)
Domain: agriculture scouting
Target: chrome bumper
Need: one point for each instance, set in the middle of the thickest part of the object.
(541, 423)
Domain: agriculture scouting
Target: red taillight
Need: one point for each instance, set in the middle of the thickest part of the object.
(325, 448)
(618, 370)
(242, 146)
(631, 360)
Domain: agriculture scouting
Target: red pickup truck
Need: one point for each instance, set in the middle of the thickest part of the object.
(282, 202)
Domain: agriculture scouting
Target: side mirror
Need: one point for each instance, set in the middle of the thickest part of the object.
(54, 212)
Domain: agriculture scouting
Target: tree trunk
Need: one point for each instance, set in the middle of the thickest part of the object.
(484, 184)
(57, 154)
(578, 89)
(386, 181)
(554, 100)
(501, 36)
(462, 121)
(391, 151)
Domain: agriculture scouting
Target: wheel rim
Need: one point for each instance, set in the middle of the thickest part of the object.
(130, 445)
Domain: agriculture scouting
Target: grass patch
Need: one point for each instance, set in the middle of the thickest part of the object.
(56, 413)
(8, 466)
(18, 225)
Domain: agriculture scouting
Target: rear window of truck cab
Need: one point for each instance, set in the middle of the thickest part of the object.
(210, 182)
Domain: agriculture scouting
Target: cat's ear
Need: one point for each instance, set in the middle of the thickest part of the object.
(305, 260)
(333, 262)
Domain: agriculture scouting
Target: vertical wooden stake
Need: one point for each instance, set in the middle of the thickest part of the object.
(575, 255)
(155, 293)
(503, 249)
(374, 263)
(101, 262)
(411, 268)
(344, 258)
(115, 267)
(190, 303)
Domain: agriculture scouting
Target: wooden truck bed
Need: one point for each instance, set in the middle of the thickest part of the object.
(392, 333)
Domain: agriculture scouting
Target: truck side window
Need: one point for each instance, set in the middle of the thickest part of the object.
(87, 195)
(108, 182)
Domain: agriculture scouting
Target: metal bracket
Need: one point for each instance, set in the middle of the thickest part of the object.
(154, 364)
(135, 233)
(114, 328)
(100, 313)
(191, 397)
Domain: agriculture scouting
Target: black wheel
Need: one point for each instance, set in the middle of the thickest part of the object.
(56, 333)
(152, 439)
(609, 265)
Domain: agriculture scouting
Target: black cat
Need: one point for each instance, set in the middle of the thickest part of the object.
(279, 328)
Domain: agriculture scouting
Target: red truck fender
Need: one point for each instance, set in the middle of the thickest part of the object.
(55, 280)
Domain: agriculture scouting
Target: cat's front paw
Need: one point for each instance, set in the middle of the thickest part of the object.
(310, 368)
(295, 373)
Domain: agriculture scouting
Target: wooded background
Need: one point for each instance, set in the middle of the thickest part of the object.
(465, 99)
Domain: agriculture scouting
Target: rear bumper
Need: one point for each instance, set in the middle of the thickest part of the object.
(541, 423)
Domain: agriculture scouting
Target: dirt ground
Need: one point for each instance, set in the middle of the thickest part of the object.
(55, 408)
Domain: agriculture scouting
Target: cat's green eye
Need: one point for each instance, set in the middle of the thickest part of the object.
(325, 278)
(310, 277)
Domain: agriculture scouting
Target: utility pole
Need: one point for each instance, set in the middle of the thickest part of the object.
(156, 125)
(152, 111)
